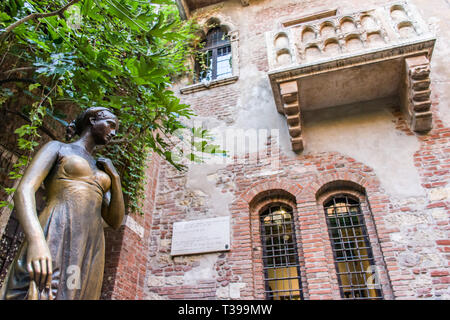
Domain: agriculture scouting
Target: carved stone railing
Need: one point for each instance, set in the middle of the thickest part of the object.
(349, 58)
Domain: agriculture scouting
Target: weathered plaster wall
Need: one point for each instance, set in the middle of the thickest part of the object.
(435, 13)
(367, 133)
(255, 108)
(410, 172)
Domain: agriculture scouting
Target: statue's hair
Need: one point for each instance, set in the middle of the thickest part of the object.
(77, 126)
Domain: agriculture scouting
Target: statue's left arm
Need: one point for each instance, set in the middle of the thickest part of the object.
(113, 209)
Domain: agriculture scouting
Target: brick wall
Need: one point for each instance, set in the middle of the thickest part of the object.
(242, 266)
(126, 248)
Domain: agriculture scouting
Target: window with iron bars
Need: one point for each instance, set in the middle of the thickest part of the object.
(355, 266)
(280, 257)
(214, 60)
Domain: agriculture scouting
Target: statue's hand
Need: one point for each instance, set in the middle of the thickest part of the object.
(107, 165)
(39, 264)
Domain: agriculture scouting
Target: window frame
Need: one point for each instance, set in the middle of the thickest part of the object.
(191, 84)
(214, 49)
(366, 238)
(269, 294)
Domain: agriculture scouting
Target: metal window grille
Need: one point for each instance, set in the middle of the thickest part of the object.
(280, 257)
(10, 243)
(214, 60)
(355, 266)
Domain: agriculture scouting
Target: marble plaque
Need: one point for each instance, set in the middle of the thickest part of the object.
(201, 236)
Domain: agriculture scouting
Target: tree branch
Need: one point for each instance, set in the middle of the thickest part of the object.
(36, 15)
(19, 70)
(42, 128)
(17, 80)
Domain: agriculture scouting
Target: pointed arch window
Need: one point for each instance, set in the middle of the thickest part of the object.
(355, 266)
(280, 256)
(214, 60)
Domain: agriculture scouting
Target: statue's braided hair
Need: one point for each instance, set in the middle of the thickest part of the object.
(77, 126)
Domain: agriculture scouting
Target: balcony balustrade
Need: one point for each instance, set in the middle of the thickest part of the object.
(348, 58)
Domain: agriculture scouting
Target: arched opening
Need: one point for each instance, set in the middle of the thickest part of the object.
(327, 30)
(332, 47)
(312, 52)
(280, 255)
(214, 59)
(352, 251)
(347, 25)
(308, 35)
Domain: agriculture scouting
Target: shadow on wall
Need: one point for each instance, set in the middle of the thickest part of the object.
(366, 132)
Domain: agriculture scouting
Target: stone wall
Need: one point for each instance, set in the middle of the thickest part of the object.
(405, 175)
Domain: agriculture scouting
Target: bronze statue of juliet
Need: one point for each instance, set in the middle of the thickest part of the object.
(63, 254)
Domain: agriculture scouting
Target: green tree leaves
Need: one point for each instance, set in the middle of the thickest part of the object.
(115, 53)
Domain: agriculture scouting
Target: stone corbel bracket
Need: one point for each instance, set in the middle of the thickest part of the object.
(415, 95)
(291, 109)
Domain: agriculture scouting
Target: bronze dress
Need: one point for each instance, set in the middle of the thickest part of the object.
(73, 228)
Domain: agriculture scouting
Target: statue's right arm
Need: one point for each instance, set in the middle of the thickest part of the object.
(39, 263)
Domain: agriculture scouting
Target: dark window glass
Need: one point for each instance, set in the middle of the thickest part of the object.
(280, 257)
(354, 262)
(214, 60)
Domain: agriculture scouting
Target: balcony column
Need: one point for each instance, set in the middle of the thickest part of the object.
(291, 109)
(415, 95)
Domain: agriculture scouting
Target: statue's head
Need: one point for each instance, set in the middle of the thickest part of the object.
(101, 121)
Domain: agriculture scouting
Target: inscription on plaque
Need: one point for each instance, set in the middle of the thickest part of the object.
(201, 236)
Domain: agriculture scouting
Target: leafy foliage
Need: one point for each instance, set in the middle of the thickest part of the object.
(119, 54)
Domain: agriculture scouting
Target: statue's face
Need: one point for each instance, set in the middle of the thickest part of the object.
(104, 128)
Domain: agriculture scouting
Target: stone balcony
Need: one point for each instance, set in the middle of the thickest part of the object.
(185, 7)
(336, 60)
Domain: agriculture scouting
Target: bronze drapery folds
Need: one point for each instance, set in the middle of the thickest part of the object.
(63, 254)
